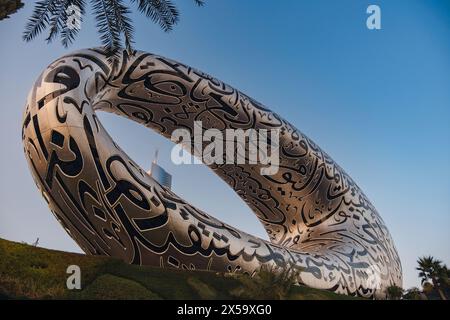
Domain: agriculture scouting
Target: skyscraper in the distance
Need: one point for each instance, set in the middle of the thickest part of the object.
(159, 174)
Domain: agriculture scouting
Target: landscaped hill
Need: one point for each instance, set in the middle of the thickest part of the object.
(28, 272)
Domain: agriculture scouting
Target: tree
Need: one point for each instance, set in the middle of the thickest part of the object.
(445, 277)
(431, 269)
(394, 292)
(112, 16)
(8, 7)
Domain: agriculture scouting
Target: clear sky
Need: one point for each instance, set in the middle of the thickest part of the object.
(377, 101)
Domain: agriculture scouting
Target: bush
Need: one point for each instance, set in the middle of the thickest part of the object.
(413, 294)
(269, 283)
(394, 292)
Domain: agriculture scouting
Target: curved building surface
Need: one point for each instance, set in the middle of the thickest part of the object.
(317, 218)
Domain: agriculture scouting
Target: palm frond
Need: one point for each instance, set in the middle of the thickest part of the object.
(200, 3)
(112, 18)
(68, 34)
(55, 20)
(107, 28)
(121, 12)
(162, 12)
(39, 19)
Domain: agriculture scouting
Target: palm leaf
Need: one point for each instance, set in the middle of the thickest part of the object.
(199, 2)
(120, 13)
(39, 18)
(68, 34)
(107, 28)
(112, 18)
(56, 19)
(162, 12)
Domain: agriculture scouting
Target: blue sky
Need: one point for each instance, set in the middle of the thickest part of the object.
(377, 101)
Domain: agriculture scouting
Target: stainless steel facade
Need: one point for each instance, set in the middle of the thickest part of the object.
(316, 216)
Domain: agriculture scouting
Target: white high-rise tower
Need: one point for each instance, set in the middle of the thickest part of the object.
(159, 174)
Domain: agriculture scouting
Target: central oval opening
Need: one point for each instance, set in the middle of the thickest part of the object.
(195, 183)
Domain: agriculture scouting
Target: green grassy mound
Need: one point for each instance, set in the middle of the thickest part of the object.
(28, 272)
